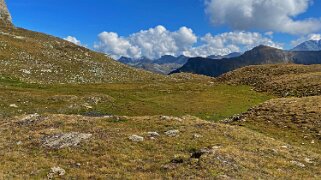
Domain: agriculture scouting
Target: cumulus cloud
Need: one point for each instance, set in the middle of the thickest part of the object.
(267, 15)
(226, 43)
(156, 42)
(151, 43)
(73, 40)
(315, 37)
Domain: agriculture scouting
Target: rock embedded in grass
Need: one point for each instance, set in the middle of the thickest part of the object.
(298, 164)
(13, 106)
(30, 119)
(56, 171)
(168, 118)
(63, 140)
(136, 138)
(172, 133)
(153, 134)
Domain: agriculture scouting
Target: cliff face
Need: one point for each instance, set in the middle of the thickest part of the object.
(5, 17)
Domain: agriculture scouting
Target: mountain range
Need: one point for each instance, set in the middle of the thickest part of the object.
(257, 56)
(311, 45)
(166, 63)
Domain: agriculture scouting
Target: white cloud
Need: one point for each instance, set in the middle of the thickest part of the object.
(111, 43)
(152, 43)
(315, 37)
(267, 15)
(226, 43)
(156, 42)
(73, 40)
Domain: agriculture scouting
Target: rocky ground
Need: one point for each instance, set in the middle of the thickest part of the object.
(121, 147)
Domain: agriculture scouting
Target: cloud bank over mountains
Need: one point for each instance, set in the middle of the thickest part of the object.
(266, 15)
(156, 42)
(252, 23)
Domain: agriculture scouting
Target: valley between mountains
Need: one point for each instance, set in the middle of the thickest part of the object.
(67, 112)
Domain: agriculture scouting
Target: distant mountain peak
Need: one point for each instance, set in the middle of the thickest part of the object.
(5, 16)
(263, 47)
(311, 45)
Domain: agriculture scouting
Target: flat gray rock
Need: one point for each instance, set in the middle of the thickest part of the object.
(63, 140)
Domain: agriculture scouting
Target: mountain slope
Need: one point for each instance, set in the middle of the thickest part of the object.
(296, 121)
(36, 57)
(163, 65)
(257, 56)
(311, 45)
(231, 55)
(281, 80)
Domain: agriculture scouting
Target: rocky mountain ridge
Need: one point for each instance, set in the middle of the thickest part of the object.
(257, 56)
(311, 45)
(5, 16)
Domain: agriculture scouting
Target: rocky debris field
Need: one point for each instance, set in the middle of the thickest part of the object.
(144, 147)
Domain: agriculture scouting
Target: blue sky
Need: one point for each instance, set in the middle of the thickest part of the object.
(86, 19)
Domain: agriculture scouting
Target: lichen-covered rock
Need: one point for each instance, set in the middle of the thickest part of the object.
(136, 138)
(63, 140)
(172, 133)
(56, 171)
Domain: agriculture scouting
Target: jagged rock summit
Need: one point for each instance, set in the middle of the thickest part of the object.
(5, 17)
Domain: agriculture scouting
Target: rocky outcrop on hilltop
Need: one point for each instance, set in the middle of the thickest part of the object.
(5, 17)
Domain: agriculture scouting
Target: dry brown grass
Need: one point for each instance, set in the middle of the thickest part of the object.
(294, 120)
(237, 153)
(281, 80)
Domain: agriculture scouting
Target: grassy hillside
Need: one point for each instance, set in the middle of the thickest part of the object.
(294, 120)
(36, 57)
(282, 80)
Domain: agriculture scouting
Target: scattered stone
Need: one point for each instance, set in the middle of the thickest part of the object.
(63, 140)
(198, 153)
(307, 160)
(56, 171)
(235, 118)
(136, 138)
(172, 133)
(196, 136)
(298, 164)
(30, 119)
(13, 106)
(19, 143)
(87, 106)
(25, 71)
(168, 118)
(153, 134)
(177, 160)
